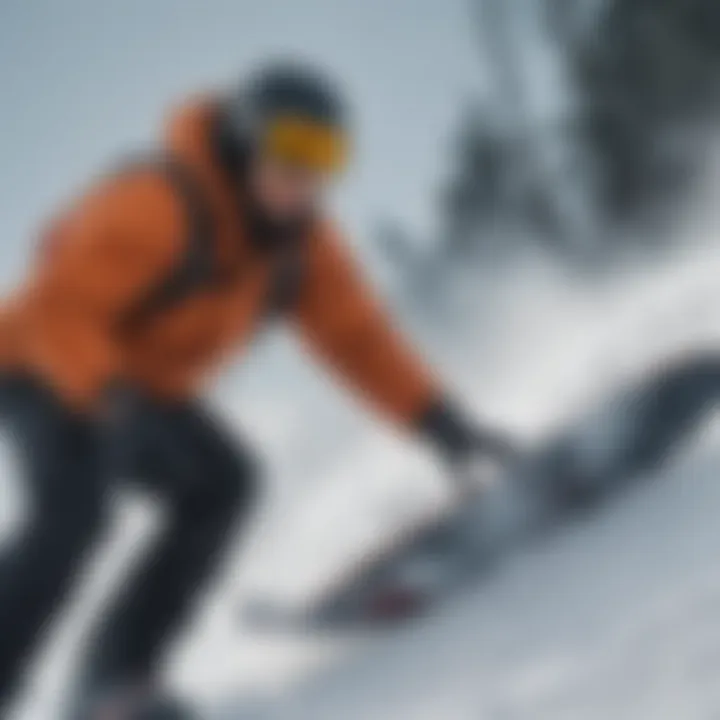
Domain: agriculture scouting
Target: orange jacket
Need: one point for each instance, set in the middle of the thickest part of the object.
(125, 233)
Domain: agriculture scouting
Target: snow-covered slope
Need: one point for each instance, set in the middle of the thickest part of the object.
(615, 616)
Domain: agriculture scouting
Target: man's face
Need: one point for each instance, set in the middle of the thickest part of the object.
(285, 192)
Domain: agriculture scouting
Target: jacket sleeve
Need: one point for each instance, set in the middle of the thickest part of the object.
(344, 326)
(101, 256)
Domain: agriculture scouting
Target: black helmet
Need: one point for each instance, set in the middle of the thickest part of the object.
(294, 112)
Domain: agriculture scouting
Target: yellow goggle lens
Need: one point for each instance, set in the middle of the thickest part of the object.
(307, 143)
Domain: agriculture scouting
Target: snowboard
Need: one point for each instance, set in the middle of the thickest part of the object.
(595, 455)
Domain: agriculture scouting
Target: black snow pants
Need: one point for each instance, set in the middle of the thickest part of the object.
(205, 481)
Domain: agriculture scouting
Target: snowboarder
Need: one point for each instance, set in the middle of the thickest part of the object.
(141, 288)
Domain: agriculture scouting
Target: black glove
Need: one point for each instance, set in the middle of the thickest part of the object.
(455, 437)
(473, 452)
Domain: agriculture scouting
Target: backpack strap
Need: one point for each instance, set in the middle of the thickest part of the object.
(195, 267)
(289, 274)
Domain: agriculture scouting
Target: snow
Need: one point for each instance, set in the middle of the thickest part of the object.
(614, 616)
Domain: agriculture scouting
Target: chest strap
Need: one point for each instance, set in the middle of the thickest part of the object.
(196, 269)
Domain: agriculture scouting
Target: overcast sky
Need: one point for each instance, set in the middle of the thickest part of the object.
(83, 80)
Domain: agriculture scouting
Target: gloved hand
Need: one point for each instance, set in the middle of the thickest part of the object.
(476, 456)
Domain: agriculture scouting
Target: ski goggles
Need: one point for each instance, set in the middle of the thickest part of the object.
(308, 143)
